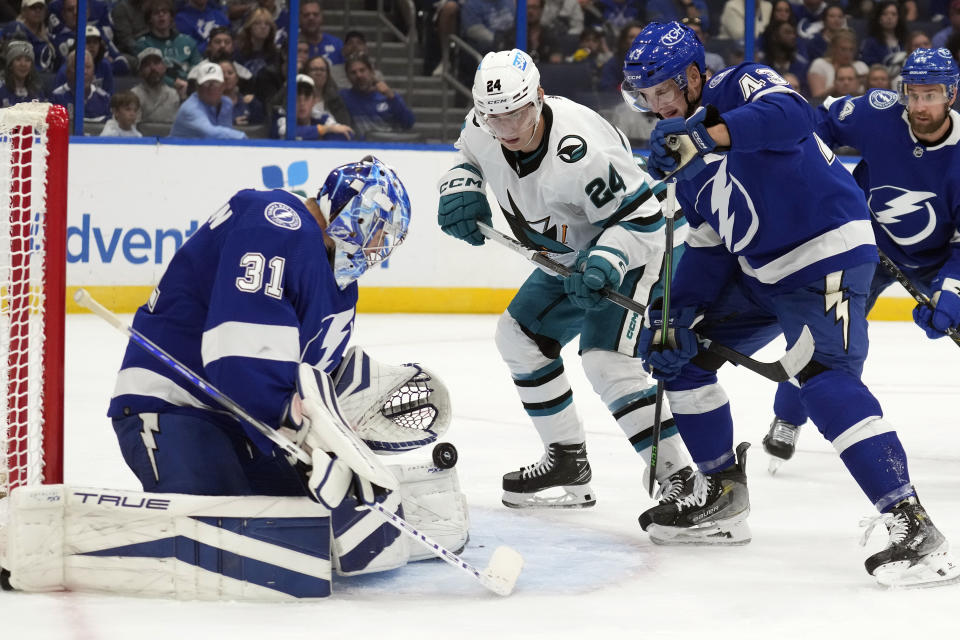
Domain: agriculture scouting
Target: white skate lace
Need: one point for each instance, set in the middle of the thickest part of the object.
(697, 497)
(540, 468)
(670, 488)
(897, 527)
(783, 431)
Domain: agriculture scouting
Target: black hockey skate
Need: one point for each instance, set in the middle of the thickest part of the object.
(560, 480)
(712, 512)
(677, 485)
(780, 442)
(916, 555)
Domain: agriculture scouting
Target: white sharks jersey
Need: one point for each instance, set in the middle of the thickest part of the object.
(580, 187)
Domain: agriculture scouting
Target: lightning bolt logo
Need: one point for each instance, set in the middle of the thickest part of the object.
(334, 333)
(720, 194)
(834, 297)
(721, 191)
(150, 427)
(895, 209)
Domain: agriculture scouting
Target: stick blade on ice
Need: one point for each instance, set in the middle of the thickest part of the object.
(504, 569)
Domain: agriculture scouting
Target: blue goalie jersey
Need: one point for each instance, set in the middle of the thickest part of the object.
(780, 201)
(912, 188)
(246, 299)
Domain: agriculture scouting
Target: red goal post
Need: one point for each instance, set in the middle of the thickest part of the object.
(33, 229)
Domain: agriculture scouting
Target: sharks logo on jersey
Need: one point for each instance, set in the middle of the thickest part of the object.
(537, 234)
(907, 216)
(724, 196)
(571, 149)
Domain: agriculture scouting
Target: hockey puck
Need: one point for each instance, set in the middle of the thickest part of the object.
(5, 580)
(445, 455)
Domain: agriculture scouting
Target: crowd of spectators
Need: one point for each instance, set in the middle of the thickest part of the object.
(158, 51)
(195, 68)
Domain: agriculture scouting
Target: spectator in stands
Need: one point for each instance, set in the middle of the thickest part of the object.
(206, 113)
(180, 51)
(308, 126)
(780, 51)
(246, 108)
(64, 36)
(196, 18)
(732, 18)
(238, 11)
(834, 21)
(543, 45)
(614, 14)
(886, 33)
(809, 18)
(373, 105)
(125, 107)
(311, 32)
(326, 92)
(564, 19)
(793, 80)
(129, 24)
(953, 15)
(822, 72)
(714, 61)
(846, 82)
(446, 16)
(488, 25)
(611, 74)
(782, 11)
(354, 42)
(878, 77)
(257, 51)
(219, 48)
(21, 80)
(31, 25)
(96, 106)
(667, 10)
(159, 101)
(102, 68)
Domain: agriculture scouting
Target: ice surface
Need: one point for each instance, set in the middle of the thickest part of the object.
(588, 572)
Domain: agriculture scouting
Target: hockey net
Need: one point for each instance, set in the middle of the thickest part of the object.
(33, 185)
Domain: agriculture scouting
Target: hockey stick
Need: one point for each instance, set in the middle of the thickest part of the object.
(911, 288)
(788, 366)
(669, 204)
(500, 576)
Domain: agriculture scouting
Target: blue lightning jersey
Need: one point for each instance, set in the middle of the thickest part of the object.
(246, 299)
(912, 188)
(779, 206)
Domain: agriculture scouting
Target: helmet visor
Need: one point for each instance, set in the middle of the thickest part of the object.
(923, 95)
(509, 126)
(653, 98)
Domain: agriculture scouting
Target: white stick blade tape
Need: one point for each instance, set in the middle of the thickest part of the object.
(504, 569)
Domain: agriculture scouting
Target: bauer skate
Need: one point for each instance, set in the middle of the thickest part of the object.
(560, 480)
(780, 442)
(916, 555)
(712, 512)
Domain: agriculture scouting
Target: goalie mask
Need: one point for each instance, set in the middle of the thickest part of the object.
(368, 212)
(655, 67)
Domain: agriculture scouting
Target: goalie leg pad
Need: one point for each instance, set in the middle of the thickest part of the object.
(392, 408)
(167, 545)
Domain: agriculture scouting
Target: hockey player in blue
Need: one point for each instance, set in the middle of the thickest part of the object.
(766, 256)
(267, 283)
(911, 178)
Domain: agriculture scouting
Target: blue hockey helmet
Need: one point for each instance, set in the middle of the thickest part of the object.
(929, 66)
(368, 213)
(661, 52)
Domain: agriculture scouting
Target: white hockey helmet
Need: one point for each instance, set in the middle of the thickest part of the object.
(505, 81)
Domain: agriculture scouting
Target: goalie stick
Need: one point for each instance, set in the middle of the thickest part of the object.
(911, 288)
(500, 575)
(788, 366)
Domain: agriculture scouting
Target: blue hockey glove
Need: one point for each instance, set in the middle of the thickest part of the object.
(664, 160)
(664, 362)
(463, 203)
(945, 313)
(595, 269)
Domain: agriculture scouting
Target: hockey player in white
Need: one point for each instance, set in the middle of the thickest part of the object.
(567, 184)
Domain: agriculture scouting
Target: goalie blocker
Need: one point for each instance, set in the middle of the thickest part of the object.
(217, 548)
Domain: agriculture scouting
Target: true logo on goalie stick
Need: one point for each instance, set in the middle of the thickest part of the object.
(571, 149)
(280, 215)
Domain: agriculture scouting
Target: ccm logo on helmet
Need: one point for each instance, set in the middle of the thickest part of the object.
(672, 37)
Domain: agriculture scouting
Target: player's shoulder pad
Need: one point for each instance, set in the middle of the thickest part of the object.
(744, 82)
(881, 99)
(580, 133)
(273, 209)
